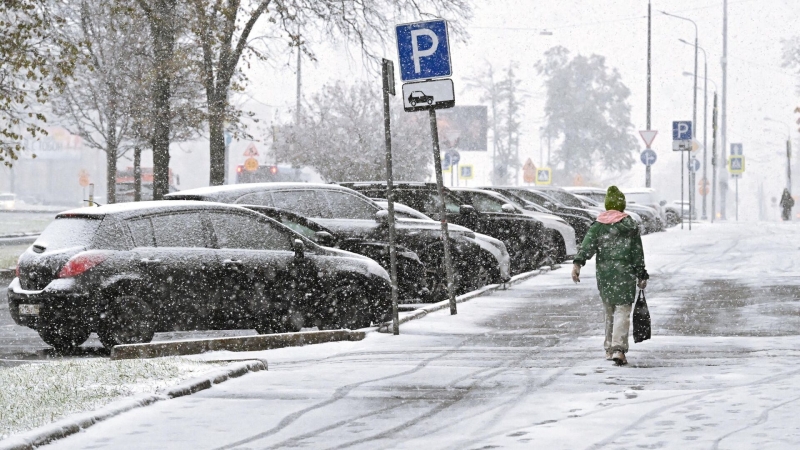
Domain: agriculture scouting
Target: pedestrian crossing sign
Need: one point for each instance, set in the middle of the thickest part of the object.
(736, 164)
(543, 176)
(466, 172)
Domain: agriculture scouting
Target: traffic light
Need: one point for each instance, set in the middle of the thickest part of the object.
(239, 168)
(273, 170)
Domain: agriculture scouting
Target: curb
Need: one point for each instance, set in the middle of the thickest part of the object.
(45, 434)
(233, 344)
(419, 313)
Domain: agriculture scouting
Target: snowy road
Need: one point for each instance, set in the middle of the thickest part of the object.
(524, 368)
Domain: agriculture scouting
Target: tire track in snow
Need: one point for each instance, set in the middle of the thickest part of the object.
(339, 394)
(761, 419)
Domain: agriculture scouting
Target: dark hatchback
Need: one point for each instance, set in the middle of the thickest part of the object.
(580, 223)
(410, 270)
(523, 236)
(127, 271)
(349, 214)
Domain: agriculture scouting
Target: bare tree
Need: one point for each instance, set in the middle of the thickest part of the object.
(505, 100)
(34, 62)
(340, 135)
(224, 30)
(96, 103)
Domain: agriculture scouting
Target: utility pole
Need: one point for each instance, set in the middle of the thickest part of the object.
(705, 131)
(648, 179)
(694, 133)
(299, 82)
(724, 116)
(714, 161)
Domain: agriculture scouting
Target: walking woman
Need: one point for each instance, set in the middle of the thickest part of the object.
(615, 239)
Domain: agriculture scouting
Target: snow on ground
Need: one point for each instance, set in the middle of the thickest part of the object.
(32, 395)
(524, 368)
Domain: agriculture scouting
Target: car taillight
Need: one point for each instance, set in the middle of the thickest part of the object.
(82, 262)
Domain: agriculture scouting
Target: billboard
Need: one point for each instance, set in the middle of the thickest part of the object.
(463, 128)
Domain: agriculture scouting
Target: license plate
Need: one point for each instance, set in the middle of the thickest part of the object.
(29, 310)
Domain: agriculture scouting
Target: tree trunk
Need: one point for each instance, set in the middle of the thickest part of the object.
(216, 126)
(137, 174)
(163, 31)
(111, 173)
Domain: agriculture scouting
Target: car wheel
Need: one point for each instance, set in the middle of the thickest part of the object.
(127, 320)
(347, 308)
(436, 275)
(63, 336)
(430, 101)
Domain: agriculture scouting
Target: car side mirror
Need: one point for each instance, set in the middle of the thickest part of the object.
(299, 249)
(466, 209)
(662, 202)
(382, 217)
(324, 238)
(508, 208)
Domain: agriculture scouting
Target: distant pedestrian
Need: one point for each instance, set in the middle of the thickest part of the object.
(615, 239)
(787, 203)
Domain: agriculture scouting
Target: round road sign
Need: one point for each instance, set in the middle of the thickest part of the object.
(693, 164)
(83, 178)
(648, 157)
(250, 164)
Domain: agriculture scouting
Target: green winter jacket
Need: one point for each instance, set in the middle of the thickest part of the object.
(620, 259)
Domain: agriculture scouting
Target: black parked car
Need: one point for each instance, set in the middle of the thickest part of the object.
(127, 271)
(349, 214)
(523, 236)
(580, 223)
(410, 270)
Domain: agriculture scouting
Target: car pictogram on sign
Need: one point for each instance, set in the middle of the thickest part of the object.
(419, 97)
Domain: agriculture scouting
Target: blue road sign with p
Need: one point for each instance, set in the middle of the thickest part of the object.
(423, 50)
(682, 130)
(737, 150)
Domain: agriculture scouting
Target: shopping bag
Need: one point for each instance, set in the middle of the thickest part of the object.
(641, 319)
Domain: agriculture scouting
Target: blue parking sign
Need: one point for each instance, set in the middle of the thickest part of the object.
(423, 50)
(682, 130)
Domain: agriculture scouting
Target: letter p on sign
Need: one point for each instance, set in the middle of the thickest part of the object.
(423, 50)
(416, 53)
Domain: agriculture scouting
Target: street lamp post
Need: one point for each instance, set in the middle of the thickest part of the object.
(788, 151)
(694, 114)
(705, 121)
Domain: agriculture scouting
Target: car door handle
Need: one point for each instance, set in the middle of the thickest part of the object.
(150, 261)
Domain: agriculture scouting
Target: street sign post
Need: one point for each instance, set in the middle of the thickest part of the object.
(544, 176)
(736, 164)
(423, 49)
(387, 69)
(423, 95)
(466, 172)
(682, 142)
(648, 157)
(250, 164)
(251, 151)
(648, 136)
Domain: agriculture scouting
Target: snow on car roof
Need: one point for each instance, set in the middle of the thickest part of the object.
(248, 187)
(131, 208)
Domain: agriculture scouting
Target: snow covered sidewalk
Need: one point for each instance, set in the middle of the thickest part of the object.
(524, 368)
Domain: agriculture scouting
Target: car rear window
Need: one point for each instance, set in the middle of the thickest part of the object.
(66, 232)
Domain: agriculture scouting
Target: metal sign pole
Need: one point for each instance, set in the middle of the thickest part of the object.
(737, 198)
(437, 163)
(714, 162)
(647, 179)
(388, 88)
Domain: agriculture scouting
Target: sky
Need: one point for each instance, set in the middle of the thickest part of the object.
(505, 31)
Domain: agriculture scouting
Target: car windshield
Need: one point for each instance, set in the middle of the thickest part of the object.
(299, 228)
(68, 232)
(565, 198)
